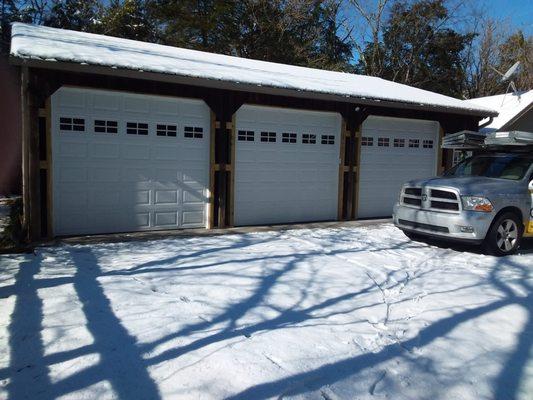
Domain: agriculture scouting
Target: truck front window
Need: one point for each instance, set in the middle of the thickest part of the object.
(512, 167)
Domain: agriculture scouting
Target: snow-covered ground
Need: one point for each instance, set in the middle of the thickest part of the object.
(351, 313)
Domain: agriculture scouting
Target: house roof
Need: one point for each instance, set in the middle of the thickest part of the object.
(55, 48)
(510, 107)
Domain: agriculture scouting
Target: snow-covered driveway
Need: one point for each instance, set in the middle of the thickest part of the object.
(351, 313)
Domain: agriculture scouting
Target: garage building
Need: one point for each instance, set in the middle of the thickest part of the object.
(122, 136)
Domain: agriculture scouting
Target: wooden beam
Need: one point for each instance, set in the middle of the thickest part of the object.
(49, 175)
(342, 167)
(357, 169)
(212, 132)
(231, 193)
(222, 148)
(30, 159)
(440, 151)
(26, 134)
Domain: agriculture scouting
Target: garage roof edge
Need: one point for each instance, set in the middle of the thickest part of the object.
(52, 48)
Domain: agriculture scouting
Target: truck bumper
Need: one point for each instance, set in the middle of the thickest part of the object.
(466, 226)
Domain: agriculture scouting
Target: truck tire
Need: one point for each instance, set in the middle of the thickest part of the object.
(504, 235)
(413, 236)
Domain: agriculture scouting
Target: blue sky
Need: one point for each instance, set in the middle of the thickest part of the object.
(518, 12)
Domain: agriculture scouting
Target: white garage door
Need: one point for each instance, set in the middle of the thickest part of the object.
(393, 151)
(287, 165)
(125, 162)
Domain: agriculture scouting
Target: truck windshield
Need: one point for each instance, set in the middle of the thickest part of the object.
(511, 166)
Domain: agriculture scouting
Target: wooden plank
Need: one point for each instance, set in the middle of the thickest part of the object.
(49, 160)
(211, 212)
(357, 170)
(232, 172)
(25, 127)
(31, 172)
(34, 170)
(222, 147)
(340, 214)
(42, 112)
(440, 151)
(223, 167)
(350, 179)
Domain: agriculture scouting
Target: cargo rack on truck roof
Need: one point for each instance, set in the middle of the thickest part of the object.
(503, 141)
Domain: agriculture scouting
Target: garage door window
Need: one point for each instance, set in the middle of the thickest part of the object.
(137, 128)
(414, 143)
(328, 139)
(288, 138)
(269, 137)
(427, 144)
(367, 141)
(399, 142)
(308, 138)
(72, 124)
(104, 126)
(195, 132)
(383, 142)
(166, 130)
(245, 136)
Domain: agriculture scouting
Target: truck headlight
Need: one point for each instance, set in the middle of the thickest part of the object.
(476, 203)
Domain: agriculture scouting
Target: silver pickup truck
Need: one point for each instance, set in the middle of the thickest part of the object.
(486, 199)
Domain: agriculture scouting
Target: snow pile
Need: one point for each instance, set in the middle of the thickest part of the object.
(51, 44)
(508, 106)
(320, 314)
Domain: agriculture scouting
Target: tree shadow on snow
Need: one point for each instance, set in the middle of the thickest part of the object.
(123, 363)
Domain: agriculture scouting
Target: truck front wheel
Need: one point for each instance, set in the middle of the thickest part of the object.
(504, 235)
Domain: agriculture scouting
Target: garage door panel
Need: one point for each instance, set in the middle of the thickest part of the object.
(166, 218)
(135, 106)
(115, 182)
(103, 174)
(73, 150)
(282, 182)
(384, 169)
(166, 197)
(135, 152)
(100, 101)
(104, 150)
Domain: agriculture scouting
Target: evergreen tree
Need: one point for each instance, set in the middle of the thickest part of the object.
(79, 15)
(130, 19)
(208, 25)
(302, 32)
(420, 50)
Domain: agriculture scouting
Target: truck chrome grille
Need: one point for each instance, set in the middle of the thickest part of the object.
(445, 200)
(413, 191)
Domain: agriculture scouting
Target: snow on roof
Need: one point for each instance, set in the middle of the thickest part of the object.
(51, 44)
(508, 106)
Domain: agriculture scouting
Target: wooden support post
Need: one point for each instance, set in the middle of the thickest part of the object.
(232, 172)
(356, 170)
(350, 206)
(340, 205)
(440, 152)
(49, 183)
(30, 160)
(212, 133)
(24, 96)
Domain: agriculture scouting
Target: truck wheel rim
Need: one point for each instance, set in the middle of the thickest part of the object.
(507, 235)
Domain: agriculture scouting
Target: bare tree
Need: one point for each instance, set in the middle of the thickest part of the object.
(364, 26)
(482, 57)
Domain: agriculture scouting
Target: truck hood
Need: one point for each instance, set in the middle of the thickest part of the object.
(475, 185)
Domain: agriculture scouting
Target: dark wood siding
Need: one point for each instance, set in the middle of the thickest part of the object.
(10, 137)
